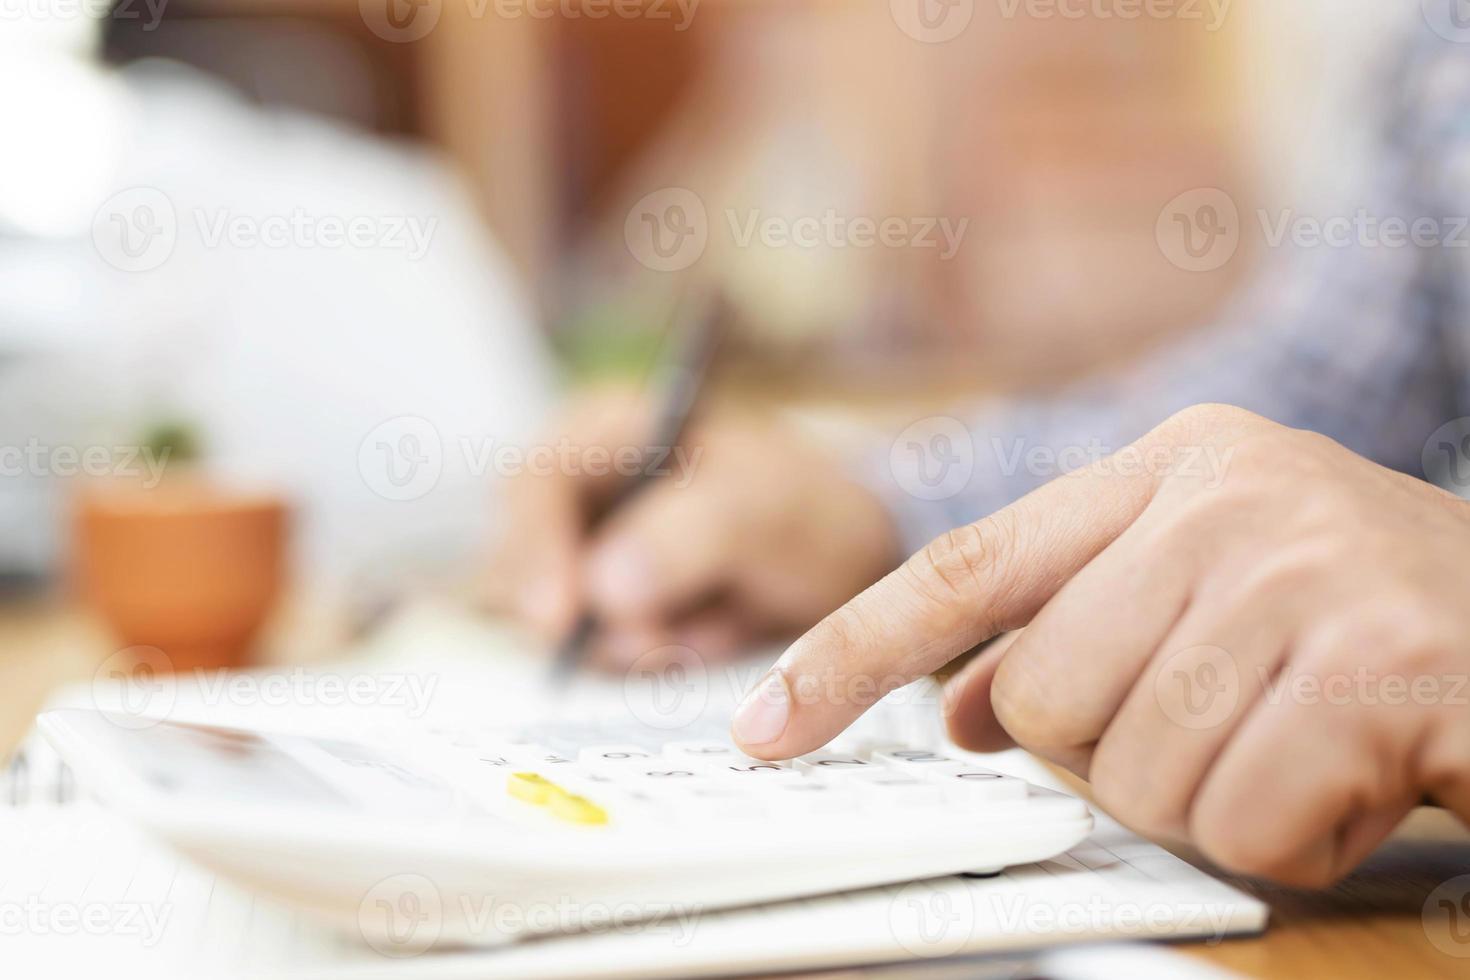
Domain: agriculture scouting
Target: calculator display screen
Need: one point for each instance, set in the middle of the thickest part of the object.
(233, 765)
(224, 763)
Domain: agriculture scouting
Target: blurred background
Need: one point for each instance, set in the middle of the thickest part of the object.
(273, 239)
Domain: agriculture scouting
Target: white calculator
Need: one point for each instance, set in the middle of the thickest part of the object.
(480, 835)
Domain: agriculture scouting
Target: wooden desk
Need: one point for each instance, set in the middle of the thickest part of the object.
(1369, 926)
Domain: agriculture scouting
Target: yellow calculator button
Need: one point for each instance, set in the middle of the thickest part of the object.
(577, 809)
(530, 787)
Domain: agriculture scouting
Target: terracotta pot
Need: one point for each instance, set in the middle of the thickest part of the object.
(184, 566)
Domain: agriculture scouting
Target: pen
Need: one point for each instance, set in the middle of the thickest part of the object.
(695, 336)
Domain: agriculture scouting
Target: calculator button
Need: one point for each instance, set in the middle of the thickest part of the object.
(851, 744)
(706, 802)
(832, 764)
(566, 739)
(754, 767)
(656, 777)
(912, 760)
(808, 796)
(530, 787)
(701, 750)
(978, 786)
(576, 809)
(592, 783)
(898, 791)
(710, 762)
(613, 755)
(533, 756)
(753, 775)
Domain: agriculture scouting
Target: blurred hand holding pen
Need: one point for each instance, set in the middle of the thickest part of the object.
(677, 384)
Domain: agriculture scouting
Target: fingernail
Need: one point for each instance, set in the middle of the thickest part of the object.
(618, 573)
(762, 716)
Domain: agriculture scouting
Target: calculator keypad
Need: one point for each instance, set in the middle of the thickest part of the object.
(593, 775)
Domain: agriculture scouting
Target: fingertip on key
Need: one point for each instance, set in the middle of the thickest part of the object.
(763, 717)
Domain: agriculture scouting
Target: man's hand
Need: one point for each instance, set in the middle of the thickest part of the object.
(1270, 660)
(748, 534)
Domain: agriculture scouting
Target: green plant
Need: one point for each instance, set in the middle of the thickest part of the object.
(172, 440)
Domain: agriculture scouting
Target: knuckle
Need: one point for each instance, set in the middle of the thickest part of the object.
(1293, 871)
(1270, 447)
(945, 565)
(1224, 828)
(1278, 456)
(1217, 827)
(1444, 765)
(1424, 651)
(1251, 491)
(1225, 842)
(1152, 814)
(1179, 518)
(1207, 418)
(1403, 634)
(1134, 795)
(1288, 572)
(957, 565)
(1258, 457)
(847, 628)
(1421, 634)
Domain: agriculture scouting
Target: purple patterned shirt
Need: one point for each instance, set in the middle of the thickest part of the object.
(1366, 340)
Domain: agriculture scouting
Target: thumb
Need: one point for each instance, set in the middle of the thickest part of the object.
(964, 588)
